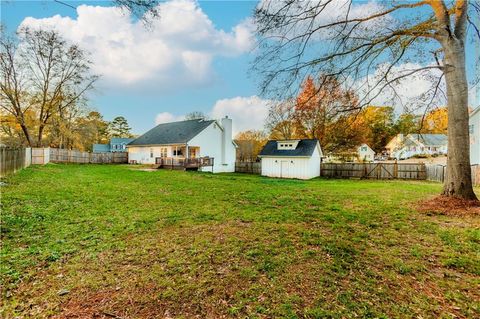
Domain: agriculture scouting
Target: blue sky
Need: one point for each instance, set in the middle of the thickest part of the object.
(228, 79)
(197, 58)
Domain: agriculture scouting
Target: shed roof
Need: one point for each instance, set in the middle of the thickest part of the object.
(172, 133)
(304, 148)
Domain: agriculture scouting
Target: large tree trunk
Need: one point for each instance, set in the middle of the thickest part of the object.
(40, 135)
(458, 181)
(26, 132)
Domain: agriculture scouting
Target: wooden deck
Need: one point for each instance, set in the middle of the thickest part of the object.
(183, 163)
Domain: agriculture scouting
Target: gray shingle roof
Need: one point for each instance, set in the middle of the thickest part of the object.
(304, 148)
(427, 139)
(172, 133)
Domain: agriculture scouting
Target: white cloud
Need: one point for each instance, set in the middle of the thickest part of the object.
(166, 117)
(176, 51)
(247, 113)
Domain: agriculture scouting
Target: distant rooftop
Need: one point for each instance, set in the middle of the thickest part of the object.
(427, 139)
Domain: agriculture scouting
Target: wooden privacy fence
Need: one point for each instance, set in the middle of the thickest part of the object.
(248, 167)
(13, 159)
(437, 173)
(374, 170)
(73, 156)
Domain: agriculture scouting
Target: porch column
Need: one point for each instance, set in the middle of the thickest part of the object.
(186, 150)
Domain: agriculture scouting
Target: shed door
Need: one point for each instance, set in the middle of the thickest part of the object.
(285, 168)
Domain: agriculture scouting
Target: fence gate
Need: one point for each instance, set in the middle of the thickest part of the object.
(379, 171)
(374, 170)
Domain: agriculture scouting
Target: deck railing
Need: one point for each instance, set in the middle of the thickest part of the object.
(179, 162)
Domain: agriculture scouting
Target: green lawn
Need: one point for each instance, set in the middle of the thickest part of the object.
(81, 241)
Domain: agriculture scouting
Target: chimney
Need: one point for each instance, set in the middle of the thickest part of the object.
(226, 137)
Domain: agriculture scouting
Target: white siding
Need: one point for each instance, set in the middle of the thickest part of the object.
(365, 155)
(210, 143)
(141, 154)
(292, 167)
(475, 138)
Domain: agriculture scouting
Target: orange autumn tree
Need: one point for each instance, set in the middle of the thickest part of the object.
(435, 121)
(375, 126)
(321, 111)
(250, 143)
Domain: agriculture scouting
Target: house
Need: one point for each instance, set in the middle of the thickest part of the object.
(365, 153)
(403, 147)
(474, 126)
(116, 144)
(184, 141)
(291, 158)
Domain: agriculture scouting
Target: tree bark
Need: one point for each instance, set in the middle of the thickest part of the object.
(458, 181)
(27, 134)
(40, 135)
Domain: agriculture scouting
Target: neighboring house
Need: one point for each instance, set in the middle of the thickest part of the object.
(365, 153)
(116, 144)
(187, 139)
(402, 147)
(291, 159)
(474, 126)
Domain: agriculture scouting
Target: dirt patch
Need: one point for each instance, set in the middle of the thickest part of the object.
(449, 206)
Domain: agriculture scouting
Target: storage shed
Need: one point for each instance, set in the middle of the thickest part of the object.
(291, 158)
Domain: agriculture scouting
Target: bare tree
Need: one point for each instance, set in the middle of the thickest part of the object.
(196, 115)
(279, 120)
(337, 39)
(14, 99)
(44, 74)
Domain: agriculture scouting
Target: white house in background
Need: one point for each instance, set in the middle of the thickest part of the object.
(474, 126)
(402, 147)
(291, 159)
(365, 153)
(185, 140)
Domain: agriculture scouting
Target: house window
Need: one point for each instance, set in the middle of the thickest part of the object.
(470, 128)
(163, 152)
(151, 153)
(177, 152)
(364, 148)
